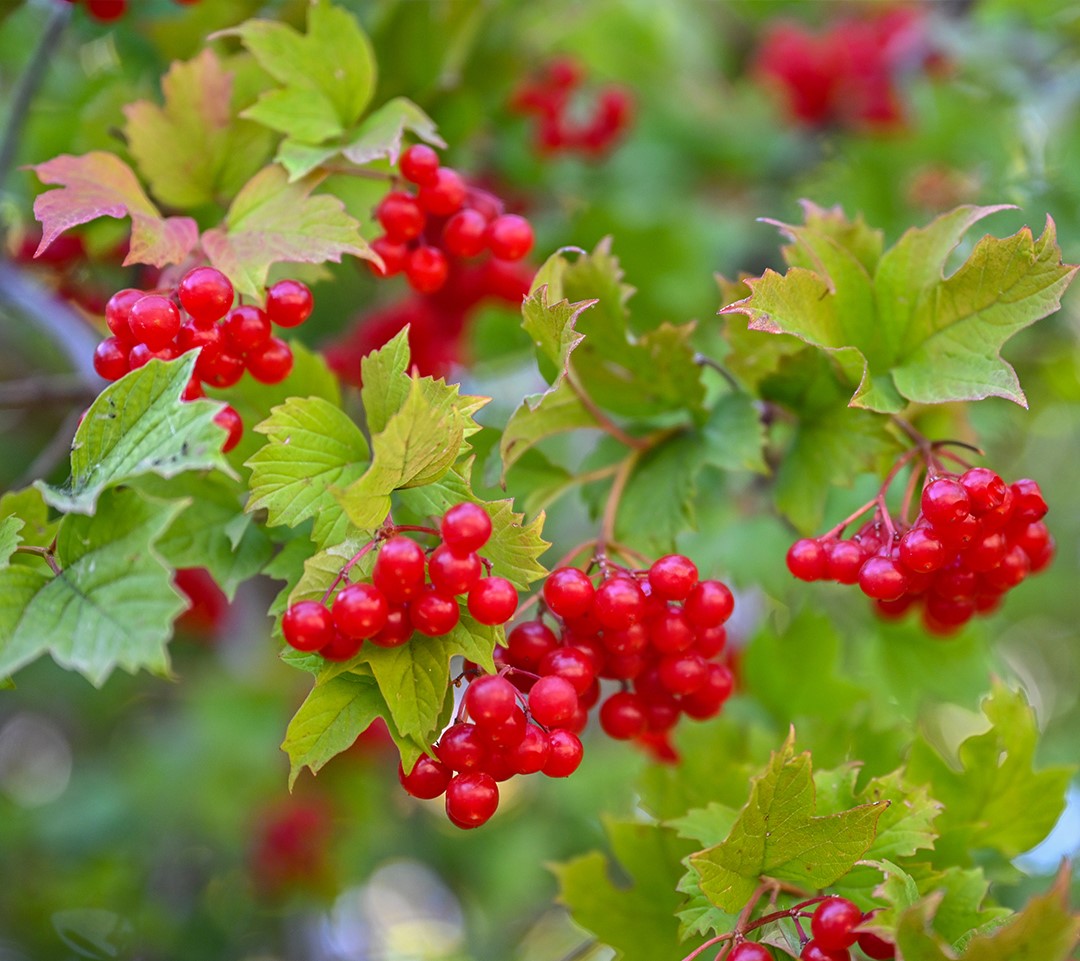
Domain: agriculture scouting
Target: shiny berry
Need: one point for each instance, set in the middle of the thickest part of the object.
(228, 418)
(465, 528)
(462, 748)
(399, 569)
(289, 303)
(111, 359)
(566, 753)
(672, 577)
(434, 614)
(452, 574)
(118, 309)
(510, 237)
(709, 604)
(985, 489)
(843, 560)
(1030, 505)
(568, 592)
(154, 321)
(750, 951)
(426, 269)
(393, 256)
(531, 753)
(807, 560)
(471, 799)
(922, 550)
(428, 778)
(882, 578)
(529, 643)
(622, 716)
(465, 234)
(834, 922)
(271, 363)
(206, 294)
(444, 194)
(397, 629)
(945, 501)
(419, 164)
(220, 368)
(618, 603)
(492, 600)
(247, 329)
(490, 699)
(552, 701)
(307, 626)
(401, 216)
(571, 664)
(360, 610)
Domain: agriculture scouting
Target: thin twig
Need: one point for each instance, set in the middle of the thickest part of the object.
(704, 361)
(44, 553)
(604, 422)
(611, 507)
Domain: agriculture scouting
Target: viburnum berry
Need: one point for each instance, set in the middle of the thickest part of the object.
(271, 363)
(228, 418)
(118, 310)
(671, 632)
(571, 664)
(401, 216)
(419, 164)
(618, 603)
(750, 951)
(672, 577)
(834, 922)
(531, 753)
(510, 237)
(882, 578)
(945, 501)
(360, 610)
(247, 329)
(462, 748)
(206, 294)
(490, 699)
(393, 256)
(922, 550)
(341, 648)
(434, 614)
(1029, 503)
(568, 592)
(878, 949)
(807, 560)
(813, 951)
(471, 799)
(530, 642)
(707, 700)
(465, 234)
(221, 368)
(426, 269)
(428, 778)
(289, 303)
(683, 673)
(451, 573)
(307, 626)
(843, 561)
(397, 629)
(709, 604)
(111, 359)
(465, 528)
(985, 489)
(444, 194)
(154, 321)
(622, 716)
(565, 753)
(399, 569)
(141, 355)
(492, 600)
(552, 701)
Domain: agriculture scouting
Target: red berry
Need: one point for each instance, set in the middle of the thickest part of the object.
(289, 303)
(452, 574)
(419, 164)
(945, 501)
(428, 778)
(671, 632)
(622, 716)
(341, 648)
(510, 237)
(812, 951)
(426, 269)
(532, 752)
(360, 610)
(710, 641)
(985, 554)
(434, 614)
(1032, 538)
(568, 592)
(707, 700)
(843, 559)
(397, 629)
(465, 528)
(1030, 505)
(141, 355)
(399, 569)
(750, 951)
(985, 489)
(393, 256)
(618, 603)
(471, 799)
(219, 368)
(490, 700)
(228, 418)
(206, 294)
(1014, 567)
(206, 339)
(493, 600)
(247, 329)
(552, 701)
(111, 359)
(882, 578)
(922, 551)
(193, 390)
(683, 673)
(876, 948)
(571, 664)
(834, 922)
(462, 748)
(118, 309)
(465, 234)
(672, 577)
(565, 756)
(105, 11)
(401, 216)
(444, 194)
(710, 604)
(529, 643)
(807, 560)
(307, 626)
(272, 363)
(154, 321)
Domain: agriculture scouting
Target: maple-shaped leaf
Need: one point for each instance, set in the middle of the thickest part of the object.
(327, 74)
(274, 221)
(111, 606)
(193, 149)
(99, 184)
(993, 796)
(9, 537)
(899, 329)
(778, 835)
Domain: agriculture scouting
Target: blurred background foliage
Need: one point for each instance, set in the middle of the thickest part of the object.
(151, 820)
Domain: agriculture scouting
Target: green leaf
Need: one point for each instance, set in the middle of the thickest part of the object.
(193, 150)
(327, 73)
(993, 796)
(900, 330)
(138, 426)
(734, 436)
(540, 416)
(112, 605)
(273, 221)
(331, 718)
(638, 920)
(312, 446)
(9, 538)
(99, 184)
(384, 374)
(29, 506)
(777, 835)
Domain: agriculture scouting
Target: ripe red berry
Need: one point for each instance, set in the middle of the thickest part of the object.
(571, 664)
(618, 603)
(192, 336)
(462, 748)
(399, 569)
(272, 363)
(360, 610)
(443, 195)
(154, 321)
(531, 753)
(393, 256)
(552, 701)
(111, 359)
(289, 303)
(220, 368)
(465, 528)
(709, 641)
(1029, 503)
(683, 673)
(944, 502)
(471, 799)
(106, 11)
(141, 355)
(434, 614)
(672, 577)
(529, 643)
(710, 604)
(228, 418)
(985, 489)
(622, 716)
(452, 574)
(426, 269)
(465, 234)
(750, 951)
(813, 951)
(568, 592)
(876, 948)
(510, 237)
(397, 629)
(843, 560)
(882, 578)
(206, 294)
(307, 626)
(341, 648)
(247, 329)
(490, 699)
(922, 551)
(401, 216)
(807, 560)
(834, 922)
(493, 600)
(428, 778)
(707, 700)
(419, 164)
(671, 632)
(118, 309)
(565, 756)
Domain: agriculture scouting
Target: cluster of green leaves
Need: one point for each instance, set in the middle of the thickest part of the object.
(918, 846)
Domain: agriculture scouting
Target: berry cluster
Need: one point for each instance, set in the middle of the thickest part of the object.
(410, 591)
(148, 325)
(106, 11)
(834, 930)
(444, 220)
(846, 75)
(548, 97)
(974, 539)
